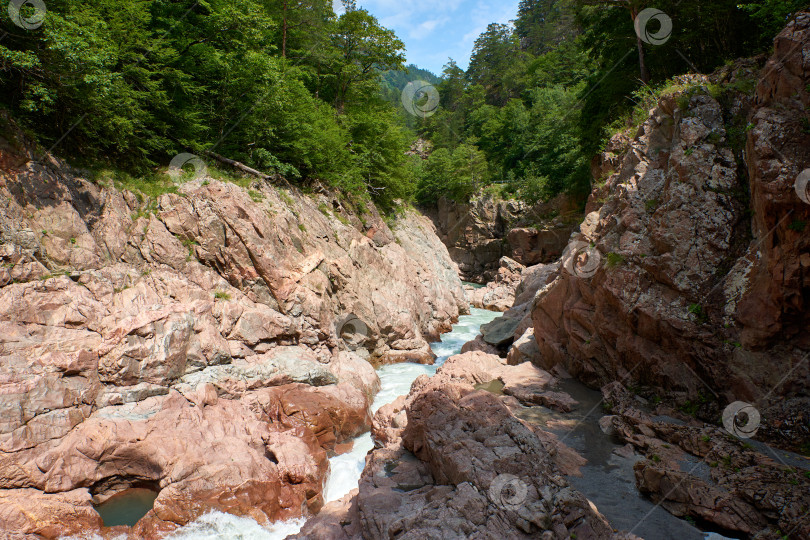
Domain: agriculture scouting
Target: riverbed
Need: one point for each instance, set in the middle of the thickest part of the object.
(607, 478)
(345, 469)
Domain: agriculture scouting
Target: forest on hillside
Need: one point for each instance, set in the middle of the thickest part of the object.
(291, 88)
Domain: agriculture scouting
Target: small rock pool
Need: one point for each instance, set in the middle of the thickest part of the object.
(127, 507)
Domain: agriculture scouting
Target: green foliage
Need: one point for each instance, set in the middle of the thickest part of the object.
(222, 295)
(699, 313)
(772, 15)
(289, 87)
(393, 81)
(497, 63)
(613, 260)
(284, 86)
(455, 174)
(543, 24)
(797, 225)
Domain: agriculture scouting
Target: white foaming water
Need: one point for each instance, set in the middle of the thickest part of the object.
(395, 381)
(345, 469)
(222, 526)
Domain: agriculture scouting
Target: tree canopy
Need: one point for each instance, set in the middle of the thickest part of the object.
(290, 87)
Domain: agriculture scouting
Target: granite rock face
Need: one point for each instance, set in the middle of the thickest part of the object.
(475, 233)
(682, 276)
(480, 233)
(212, 343)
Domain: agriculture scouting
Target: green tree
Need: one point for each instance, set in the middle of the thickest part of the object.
(772, 15)
(455, 174)
(497, 63)
(542, 25)
(364, 48)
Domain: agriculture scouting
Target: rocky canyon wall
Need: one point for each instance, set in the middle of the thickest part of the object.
(212, 343)
(479, 233)
(691, 272)
(684, 289)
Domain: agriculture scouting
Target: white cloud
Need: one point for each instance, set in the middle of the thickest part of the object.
(434, 30)
(426, 28)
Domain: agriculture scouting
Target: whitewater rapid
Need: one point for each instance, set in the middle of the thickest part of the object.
(345, 469)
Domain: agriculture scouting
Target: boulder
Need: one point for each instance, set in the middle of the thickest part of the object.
(500, 331)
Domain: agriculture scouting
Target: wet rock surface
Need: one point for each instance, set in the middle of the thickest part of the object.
(708, 475)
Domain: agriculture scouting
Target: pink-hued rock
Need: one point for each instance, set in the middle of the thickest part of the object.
(524, 349)
(773, 306)
(682, 297)
(218, 456)
(478, 344)
(465, 468)
(30, 514)
(474, 233)
(499, 294)
(531, 246)
(338, 520)
(194, 343)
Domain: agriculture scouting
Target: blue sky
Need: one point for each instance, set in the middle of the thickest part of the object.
(435, 30)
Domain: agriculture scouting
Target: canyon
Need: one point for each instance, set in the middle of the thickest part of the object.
(221, 343)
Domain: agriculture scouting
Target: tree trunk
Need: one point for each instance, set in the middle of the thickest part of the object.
(236, 165)
(645, 74)
(642, 63)
(284, 31)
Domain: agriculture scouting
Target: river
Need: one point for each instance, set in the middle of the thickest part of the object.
(345, 469)
(607, 480)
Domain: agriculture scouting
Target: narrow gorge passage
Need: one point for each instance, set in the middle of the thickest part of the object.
(345, 469)
(271, 269)
(396, 381)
